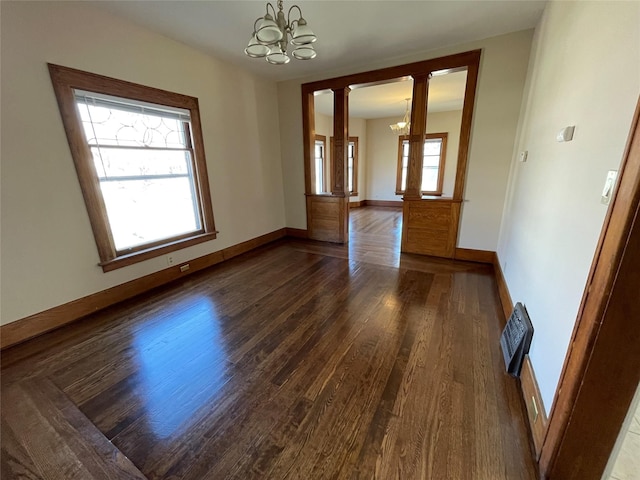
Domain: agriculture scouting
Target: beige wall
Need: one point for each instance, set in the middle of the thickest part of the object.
(48, 252)
(383, 159)
(501, 82)
(585, 71)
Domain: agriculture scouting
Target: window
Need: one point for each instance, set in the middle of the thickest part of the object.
(352, 165)
(435, 147)
(319, 164)
(139, 156)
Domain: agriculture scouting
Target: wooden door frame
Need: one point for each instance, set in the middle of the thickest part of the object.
(602, 367)
(469, 60)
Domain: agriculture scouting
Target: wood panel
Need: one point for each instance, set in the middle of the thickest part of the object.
(42, 322)
(602, 368)
(327, 218)
(532, 397)
(288, 364)
(430, 227)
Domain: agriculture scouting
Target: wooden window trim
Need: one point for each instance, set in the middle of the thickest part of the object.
(353, 140)
(64, 81)
(443, 157)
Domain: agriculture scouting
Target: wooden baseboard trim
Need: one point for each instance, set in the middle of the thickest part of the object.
(503, 290)
(297, 233)
(382, 203)
(356, 204)
(536, 412)
(471, 255)
(56, 317)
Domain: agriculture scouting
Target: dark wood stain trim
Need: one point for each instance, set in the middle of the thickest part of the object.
(465, 127)
(600, 338)
(296, 232)
(473, 255)
(43, 322)
(382, 203)
(536, 415)
(503, 290)
(414, 69)
(308, 136)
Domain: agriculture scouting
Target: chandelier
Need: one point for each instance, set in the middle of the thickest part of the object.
(271, 37)
(403, 126)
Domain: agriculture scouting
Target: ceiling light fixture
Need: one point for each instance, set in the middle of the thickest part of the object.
(403, 127)
(272, 33)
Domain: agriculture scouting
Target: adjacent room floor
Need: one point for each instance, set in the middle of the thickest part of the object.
(299, 360)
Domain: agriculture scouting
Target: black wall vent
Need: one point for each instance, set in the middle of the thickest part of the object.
(516, 339)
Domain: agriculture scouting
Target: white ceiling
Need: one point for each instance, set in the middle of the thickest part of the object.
(350, 34)
(446, 92)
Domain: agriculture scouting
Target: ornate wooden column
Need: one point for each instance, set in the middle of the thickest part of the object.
(418, 130)
(328, 215)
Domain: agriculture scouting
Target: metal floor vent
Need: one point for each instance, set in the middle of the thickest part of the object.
(516, 339)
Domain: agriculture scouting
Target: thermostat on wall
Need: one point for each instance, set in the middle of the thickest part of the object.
(566, 134)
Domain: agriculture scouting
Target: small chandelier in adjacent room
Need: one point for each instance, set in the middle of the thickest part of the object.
(272, 33)
(403, 127)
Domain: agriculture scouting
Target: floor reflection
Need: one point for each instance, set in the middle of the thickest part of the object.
(183, 363)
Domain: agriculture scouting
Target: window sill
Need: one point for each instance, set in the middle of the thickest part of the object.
(142, 255)
(424, 194)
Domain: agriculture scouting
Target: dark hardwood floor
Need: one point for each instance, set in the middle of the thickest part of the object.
(299, 360)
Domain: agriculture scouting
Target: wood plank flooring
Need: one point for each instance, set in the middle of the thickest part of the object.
(299, 360)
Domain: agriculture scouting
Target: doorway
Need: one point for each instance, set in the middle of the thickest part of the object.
(420, 182)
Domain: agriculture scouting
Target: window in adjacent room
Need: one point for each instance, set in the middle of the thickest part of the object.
(139, 156)
(435, 146)
(352, 165)
(320, 164)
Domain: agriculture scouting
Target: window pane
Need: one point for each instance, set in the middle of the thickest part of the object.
(431, 161)
(403, 183)
(429, 179)
(405, 148)
(319, 170)
(109, 126)
(145, 211)
(123, 162)
(432, 147)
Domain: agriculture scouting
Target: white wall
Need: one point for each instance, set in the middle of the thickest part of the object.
(585, 71)
(383, 159)
(500, 85)
(48, 251)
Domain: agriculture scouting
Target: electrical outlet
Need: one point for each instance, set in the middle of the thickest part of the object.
(169, 260)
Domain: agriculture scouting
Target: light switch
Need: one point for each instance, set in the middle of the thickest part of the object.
(609, 183)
